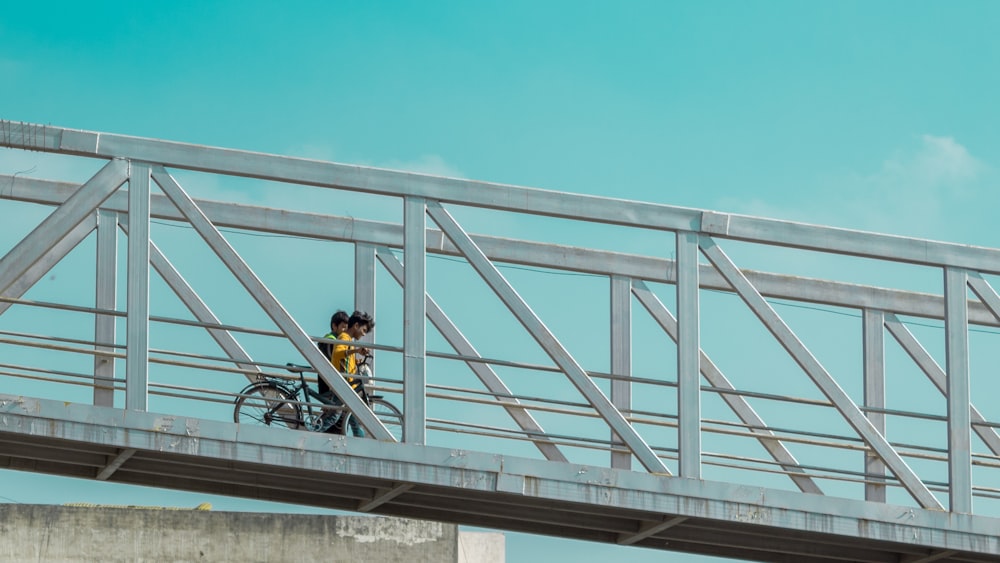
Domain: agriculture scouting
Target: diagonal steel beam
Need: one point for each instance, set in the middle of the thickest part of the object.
(298, 337)
(60, 223)
(738, 404)
(823, 380)
(930, 367)
(649, 529)
(115, 463)
(490, 379)
(198, 308)
(985, 292)
(933, 555)
(545, 338)
(38, 270)
(383, 496)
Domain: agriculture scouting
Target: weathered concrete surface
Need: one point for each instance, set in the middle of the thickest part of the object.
(89, 534)
(481, 547)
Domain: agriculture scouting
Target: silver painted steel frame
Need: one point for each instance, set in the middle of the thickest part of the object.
(652, 508)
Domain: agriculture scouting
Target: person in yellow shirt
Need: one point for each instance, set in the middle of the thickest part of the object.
(343, 357)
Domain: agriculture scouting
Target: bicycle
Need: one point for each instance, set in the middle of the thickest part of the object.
(271, 400)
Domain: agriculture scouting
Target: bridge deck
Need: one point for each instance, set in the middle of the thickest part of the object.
(474, 488)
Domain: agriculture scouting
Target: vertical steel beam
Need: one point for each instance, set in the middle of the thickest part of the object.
(688, 357)
(105, 298)
(137, 283)
(414, 320)
(484, 372)
(298, 337)
(956, 326)
(823, 380)
(736, 402)
(364, 281)
(621, 360)
(61, 222)
(873, 334)
(364, 286)
(549, 343)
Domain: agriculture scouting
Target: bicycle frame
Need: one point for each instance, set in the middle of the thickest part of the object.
(273, 399)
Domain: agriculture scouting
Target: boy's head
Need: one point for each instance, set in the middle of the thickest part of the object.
(360, 324)
(339, 322)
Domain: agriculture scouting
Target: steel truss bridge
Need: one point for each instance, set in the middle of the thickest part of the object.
(682, 380)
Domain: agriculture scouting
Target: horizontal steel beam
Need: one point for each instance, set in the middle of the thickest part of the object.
(512, 251)
(495, 196)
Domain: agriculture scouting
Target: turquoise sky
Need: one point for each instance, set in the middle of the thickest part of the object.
(878, 115)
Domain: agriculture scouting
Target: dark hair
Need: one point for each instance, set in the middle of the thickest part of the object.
(360, 317)
(339, 317)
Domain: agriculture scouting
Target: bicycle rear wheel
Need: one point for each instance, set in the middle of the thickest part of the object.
(268, 404)
(386, 412)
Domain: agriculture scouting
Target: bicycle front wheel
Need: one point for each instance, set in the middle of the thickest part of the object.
(268, 404)
(386, 412)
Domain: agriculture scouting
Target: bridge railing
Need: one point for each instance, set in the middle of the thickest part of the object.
(660, 346)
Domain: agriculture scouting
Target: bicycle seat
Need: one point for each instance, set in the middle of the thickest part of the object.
(296, 368)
